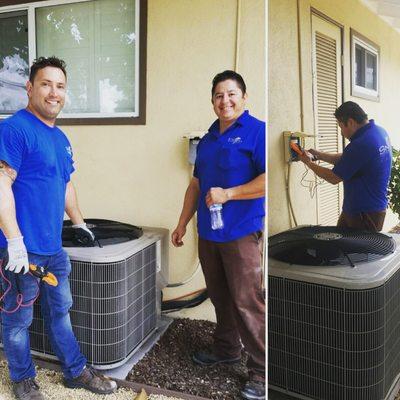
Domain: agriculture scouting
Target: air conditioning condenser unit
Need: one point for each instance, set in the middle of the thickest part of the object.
(116, 291)
(334, 314)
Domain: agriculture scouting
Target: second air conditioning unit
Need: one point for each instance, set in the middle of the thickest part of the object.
(334, 314)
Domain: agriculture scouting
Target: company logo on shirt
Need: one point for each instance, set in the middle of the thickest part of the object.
(69, 150)
(235, 140)
(383, 149)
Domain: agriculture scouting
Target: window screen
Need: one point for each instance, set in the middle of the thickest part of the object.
(97, 40)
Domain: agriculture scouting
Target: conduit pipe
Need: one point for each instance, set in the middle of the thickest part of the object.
(300, 67)
(236, 65)
(197, 268)
(301, 98)
(237, 39)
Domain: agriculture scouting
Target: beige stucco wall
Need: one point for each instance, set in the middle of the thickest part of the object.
(138, 174)
(284, 91)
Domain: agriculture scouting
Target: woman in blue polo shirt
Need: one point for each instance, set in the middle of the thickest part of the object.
(230, 170)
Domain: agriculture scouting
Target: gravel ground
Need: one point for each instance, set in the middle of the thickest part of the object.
(51, 386)
(168, 365)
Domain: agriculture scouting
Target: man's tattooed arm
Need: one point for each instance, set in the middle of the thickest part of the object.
(6, 170)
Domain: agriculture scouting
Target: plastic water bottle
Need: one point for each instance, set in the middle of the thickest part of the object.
(216, 216)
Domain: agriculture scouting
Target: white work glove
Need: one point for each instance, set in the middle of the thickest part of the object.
(83, 234)
(17, 255)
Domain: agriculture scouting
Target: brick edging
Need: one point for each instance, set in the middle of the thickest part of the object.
(137, 387)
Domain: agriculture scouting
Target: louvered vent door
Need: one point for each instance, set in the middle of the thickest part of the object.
(327, 97)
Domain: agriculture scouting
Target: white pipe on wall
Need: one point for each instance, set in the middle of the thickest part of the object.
(300, 68)
(237, 39)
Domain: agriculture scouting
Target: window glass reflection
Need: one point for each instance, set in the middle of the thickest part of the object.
(97, 40)
(14, 61)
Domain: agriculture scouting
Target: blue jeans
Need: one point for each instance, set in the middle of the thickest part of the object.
(55, 304)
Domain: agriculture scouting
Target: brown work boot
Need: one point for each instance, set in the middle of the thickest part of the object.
(92, 380)
(27, 389)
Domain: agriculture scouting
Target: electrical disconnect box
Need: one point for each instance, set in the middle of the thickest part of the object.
(194, 139)
(193, 142)
(299, 139)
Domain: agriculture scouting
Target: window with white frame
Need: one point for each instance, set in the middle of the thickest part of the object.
(365, 67)
(98, 40)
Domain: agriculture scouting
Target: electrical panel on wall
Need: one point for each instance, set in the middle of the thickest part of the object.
(295, 142)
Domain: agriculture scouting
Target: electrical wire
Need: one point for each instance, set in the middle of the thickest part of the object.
(169, 306)
(177, 284)
(290, 205)
(185, 295)
(348, 258)
(19, 298)
(309, 184)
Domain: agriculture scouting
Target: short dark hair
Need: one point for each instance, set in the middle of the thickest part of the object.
(352, 110)
(228, 74)
(43, 62)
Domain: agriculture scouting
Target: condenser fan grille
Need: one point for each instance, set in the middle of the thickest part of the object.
(106, 232)
(329, 245)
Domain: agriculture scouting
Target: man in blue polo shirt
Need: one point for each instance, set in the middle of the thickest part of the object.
(364, 167)
(35, 190)
(230, 171)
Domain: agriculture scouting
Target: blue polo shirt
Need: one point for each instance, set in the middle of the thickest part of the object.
(42, 157)
(365, 170)
(230, 159)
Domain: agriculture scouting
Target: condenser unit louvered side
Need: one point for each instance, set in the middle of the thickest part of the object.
(334, 332)
(115, 303)
(114, 307)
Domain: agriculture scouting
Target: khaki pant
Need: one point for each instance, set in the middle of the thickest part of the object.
(368, 221)
(233, 275)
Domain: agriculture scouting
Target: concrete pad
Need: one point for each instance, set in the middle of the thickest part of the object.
(123, 370)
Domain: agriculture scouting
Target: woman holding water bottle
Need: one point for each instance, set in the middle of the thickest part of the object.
(227, 190)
